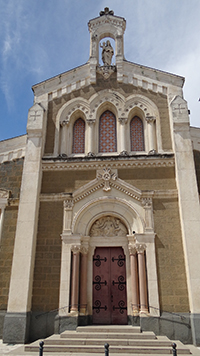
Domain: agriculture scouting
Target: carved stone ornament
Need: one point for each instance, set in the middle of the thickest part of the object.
(64, 122)
(84, 250)
(106, 70)
(150, 119)
(90, 122)
(132, 249)
(106, 175)
(76, 248)
(106, 11)
(107, 53)
(179, 110)
(4, 194)
(140, 248)
(123, 120)
(108, 226)
(68, 204)
(146, 202)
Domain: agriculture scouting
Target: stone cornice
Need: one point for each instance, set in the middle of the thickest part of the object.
(156, 194)
(115, 162)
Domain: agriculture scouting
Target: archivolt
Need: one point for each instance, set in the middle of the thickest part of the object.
(113, 206)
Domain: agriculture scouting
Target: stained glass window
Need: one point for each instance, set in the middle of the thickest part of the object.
(107, 132)
(79, 136)
(137, 134)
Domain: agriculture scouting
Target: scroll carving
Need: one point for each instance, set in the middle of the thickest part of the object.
(108, 226)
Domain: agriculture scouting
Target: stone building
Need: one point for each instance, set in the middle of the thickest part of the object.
(99, 202)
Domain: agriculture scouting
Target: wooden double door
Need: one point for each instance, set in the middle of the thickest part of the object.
(109, 286)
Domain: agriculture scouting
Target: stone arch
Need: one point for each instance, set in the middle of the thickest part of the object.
(113, 206)
(69, 112)
(147, 111)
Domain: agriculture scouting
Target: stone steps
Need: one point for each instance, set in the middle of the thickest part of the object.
(121, 339)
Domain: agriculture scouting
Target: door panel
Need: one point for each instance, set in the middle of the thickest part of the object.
(109, 286)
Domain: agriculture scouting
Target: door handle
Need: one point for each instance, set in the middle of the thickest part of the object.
(111, 298)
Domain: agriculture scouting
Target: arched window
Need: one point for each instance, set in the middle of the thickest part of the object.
(107, 132)
(137, 134)
(79, 136)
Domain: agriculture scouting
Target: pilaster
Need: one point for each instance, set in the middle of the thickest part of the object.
(188, 206)
(16, 326)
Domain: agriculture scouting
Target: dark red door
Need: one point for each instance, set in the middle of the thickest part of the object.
(109, 286)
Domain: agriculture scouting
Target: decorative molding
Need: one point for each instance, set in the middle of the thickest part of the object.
(158, 194)
(108, 226)
(107, 176)
(12, 155)
(54, 197)
(117, 164)
(88, 192)
(119, 22)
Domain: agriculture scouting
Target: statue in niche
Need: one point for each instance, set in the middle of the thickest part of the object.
(108, 226)
(107, 53)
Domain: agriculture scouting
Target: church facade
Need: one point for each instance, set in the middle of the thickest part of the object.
(99, 202)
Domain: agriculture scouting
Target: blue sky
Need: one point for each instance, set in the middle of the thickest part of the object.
(42, 38)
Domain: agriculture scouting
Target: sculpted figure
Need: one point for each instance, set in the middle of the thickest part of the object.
(108, 226)
(107, 53)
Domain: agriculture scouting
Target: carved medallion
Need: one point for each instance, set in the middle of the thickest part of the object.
(107, 175)
(108, 226)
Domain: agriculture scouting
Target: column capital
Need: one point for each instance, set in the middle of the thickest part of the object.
(150, 119)
(84, 249)
(140, 248)
(132, 249)
(90, 122)
(123, 120)
(76, 249)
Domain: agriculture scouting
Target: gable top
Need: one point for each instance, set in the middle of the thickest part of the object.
(106, 25)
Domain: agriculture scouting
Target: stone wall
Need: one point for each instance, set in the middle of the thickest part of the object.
(11, 175)
(170, 259)
(65, 181)
(10, 179)
(48, 256)
(6, 253)
(159, 178)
